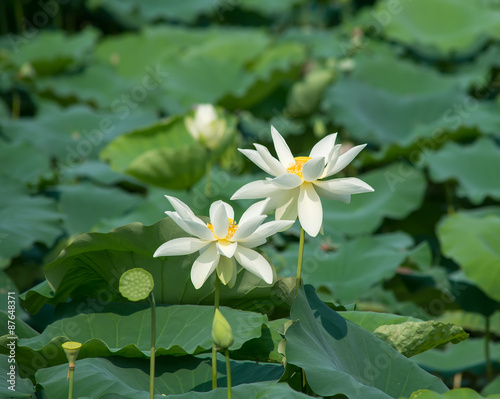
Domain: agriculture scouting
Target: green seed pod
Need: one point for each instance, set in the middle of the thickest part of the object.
(71, 349)
(136, 284)
(222, 334)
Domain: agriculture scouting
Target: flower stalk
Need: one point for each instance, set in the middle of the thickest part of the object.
(214, 348)
(153, 344)
(228, 373)
(299, 261)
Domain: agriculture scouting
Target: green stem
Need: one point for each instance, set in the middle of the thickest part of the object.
(208, 181)
(71, 380)
(153, 351)
(214, 349)
(299, 261)
(489, 369)
(228, 373)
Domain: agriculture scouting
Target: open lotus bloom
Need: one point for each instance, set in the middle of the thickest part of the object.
(206, 126)
(222, 242)
(300, 182)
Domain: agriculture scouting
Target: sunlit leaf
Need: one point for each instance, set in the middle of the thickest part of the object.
(411, 338)
(164, 154)
(472, 242)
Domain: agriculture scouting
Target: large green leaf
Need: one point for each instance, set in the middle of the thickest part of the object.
(129, 378)
(23, 162)
(339, 357)
(399, 190)
(492, 388)
(279, 63)
(23, 388)
(390, 101)
(52, 51)
(442, 27)
(467, 355)
(347, 273)
(475, 167)
(85, 204)
(87, 87)
(472, 242)
(73, 133)
(93, 263)
(181, 330)
(24, 219)
(461, 393)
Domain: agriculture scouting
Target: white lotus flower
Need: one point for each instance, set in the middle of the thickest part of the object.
(298, 183)
(222, 243)
(206, 126)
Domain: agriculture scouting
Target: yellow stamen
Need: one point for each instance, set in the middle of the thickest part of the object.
(230, 233)
(296, 168)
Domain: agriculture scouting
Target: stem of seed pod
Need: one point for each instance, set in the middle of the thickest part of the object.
(71, 380)
(228, 373)
(153, 343)
(214, 349)
(299, 261)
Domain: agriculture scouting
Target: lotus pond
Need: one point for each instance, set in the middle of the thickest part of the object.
(250, 199)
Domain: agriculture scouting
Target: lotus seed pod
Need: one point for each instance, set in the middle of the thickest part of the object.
(71, 349)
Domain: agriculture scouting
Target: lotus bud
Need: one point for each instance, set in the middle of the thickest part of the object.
(222, 334)
(206, 126)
